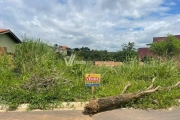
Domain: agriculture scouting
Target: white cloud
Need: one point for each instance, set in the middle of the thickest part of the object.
(133, 8)
(102, 24)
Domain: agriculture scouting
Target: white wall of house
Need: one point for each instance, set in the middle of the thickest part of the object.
(62, 51)
(6, 41)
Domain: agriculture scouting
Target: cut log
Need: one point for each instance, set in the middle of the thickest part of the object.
(109, 103)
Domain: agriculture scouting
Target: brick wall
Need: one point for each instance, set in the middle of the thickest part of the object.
(107, 63)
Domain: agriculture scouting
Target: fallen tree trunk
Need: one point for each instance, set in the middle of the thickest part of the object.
(109, 103)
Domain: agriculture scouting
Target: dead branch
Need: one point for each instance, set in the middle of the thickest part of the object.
(177, 84)
(150, 91)
(125, 88)
(152, 84)
(173, 86)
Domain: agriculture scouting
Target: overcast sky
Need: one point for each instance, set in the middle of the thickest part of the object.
(97, 24)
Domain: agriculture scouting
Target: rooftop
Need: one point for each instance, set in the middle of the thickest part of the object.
(156, 39)
(4, 30)
(63, 47)
(11, 34)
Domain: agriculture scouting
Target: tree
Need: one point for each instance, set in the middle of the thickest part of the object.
(129, 50)
(119, 56)
(170, 46)
(56, 46)
(103, 55)
(76, 49)
(128, 47)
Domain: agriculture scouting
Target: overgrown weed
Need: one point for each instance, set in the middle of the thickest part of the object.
(39, 76)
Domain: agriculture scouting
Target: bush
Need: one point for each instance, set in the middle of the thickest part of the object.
(34, 57)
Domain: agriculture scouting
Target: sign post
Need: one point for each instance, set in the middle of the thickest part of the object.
(92, 80)
(92, 90)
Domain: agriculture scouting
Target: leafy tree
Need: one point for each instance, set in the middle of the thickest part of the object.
(85, 53)
(76, 49)
(56, 46)
(170, 46)
(129, 51)
(119, 56)
(128, 47)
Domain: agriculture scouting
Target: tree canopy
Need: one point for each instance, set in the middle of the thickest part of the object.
(169, 46)
(85, 53)
(128, 51)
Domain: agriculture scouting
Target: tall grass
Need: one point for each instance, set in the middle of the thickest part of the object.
(33, 57)
(36, 75)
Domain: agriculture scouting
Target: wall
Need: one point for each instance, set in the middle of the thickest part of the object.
(144, 52)
(107, 63)
(6, 41)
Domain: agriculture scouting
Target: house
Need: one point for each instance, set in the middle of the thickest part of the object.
(156, 39)
(7, 41)
(145, 52)
(62, 49)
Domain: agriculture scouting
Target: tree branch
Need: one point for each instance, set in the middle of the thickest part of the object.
(125, 88)
(152, 84)
(177, 84)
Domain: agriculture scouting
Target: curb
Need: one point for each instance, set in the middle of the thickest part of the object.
(64, 106)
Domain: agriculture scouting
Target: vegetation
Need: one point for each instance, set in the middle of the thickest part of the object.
(168, 47)
(128, 51)
(40, 77)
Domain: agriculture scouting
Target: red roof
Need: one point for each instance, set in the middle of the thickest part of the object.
(11, 34)
(4, 30)
(64, 47)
